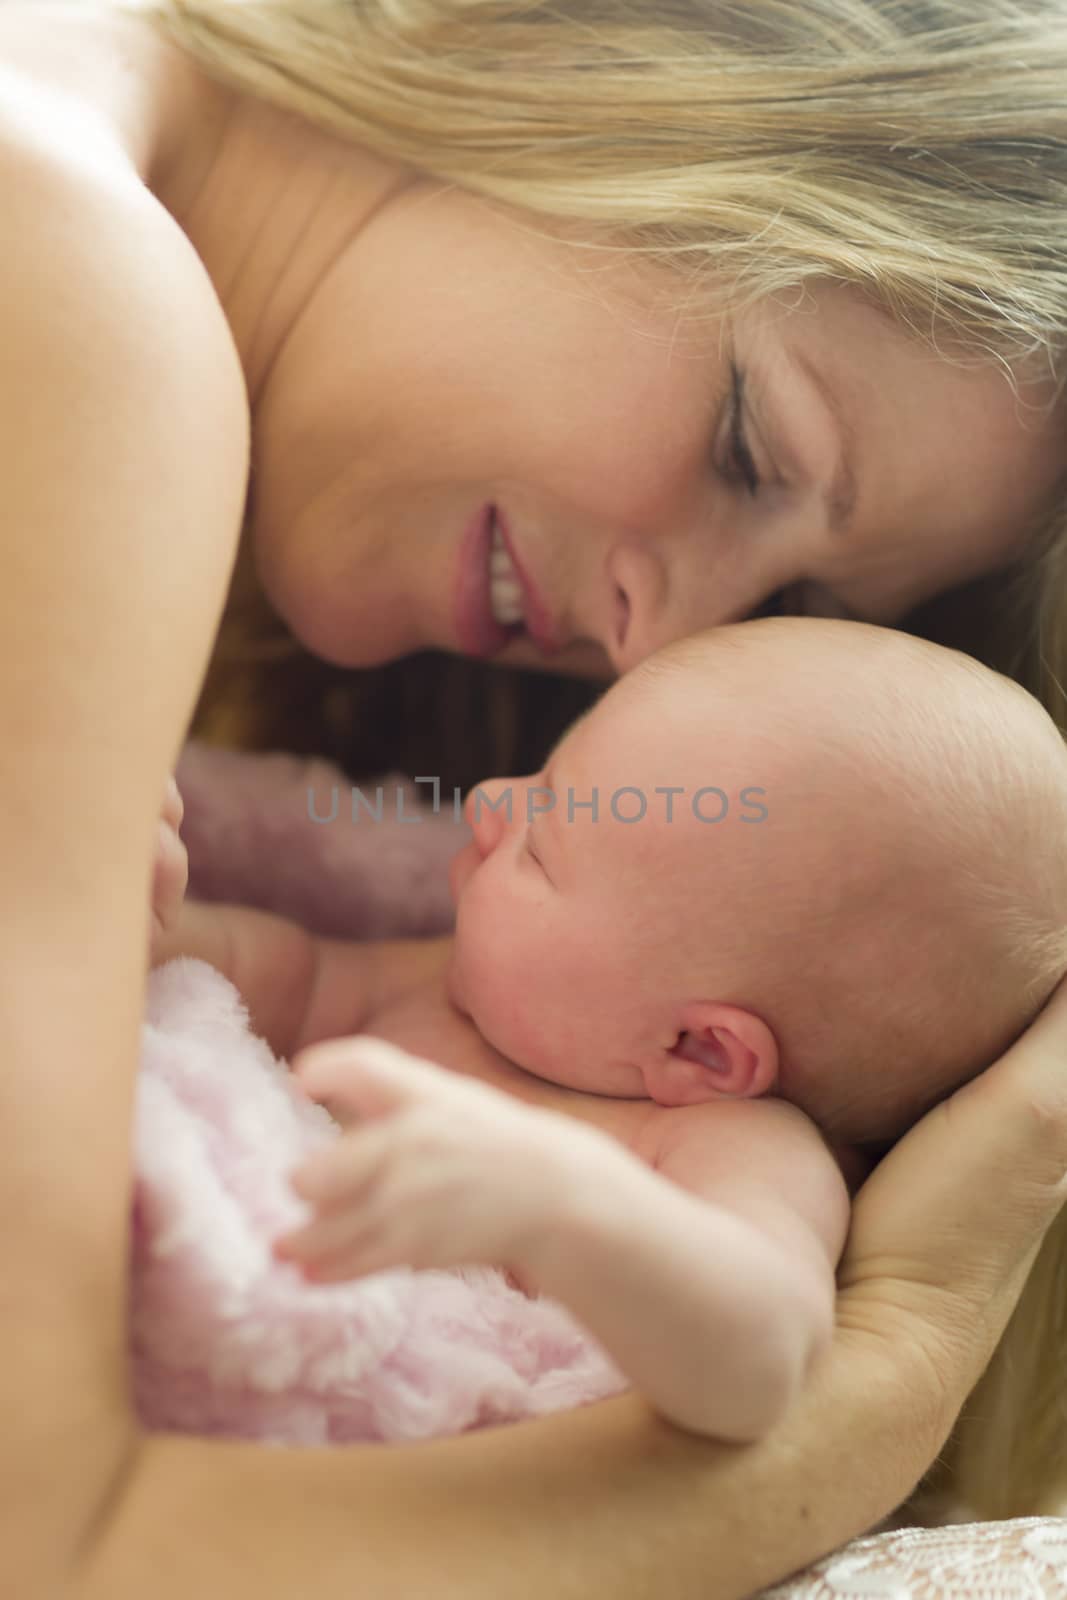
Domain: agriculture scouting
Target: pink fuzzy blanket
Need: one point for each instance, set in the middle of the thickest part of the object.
(223, 1338)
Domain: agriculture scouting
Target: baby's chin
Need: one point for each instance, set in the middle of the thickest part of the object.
(454, 984)
(467, 1006)
(465, 1001)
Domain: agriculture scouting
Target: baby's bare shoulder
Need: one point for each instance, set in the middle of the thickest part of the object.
(748, 1129)
(764, 1158)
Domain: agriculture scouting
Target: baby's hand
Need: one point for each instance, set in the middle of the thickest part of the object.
(170, 876)
(439, 1170)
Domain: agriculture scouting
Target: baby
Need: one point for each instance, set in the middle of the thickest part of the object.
(787, 885)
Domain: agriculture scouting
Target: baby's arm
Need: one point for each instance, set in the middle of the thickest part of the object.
(714, 1302)
(299, 988)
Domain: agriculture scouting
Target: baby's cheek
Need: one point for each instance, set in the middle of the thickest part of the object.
(480, 953)
(496, 995)
(497, 982)
(504, 956)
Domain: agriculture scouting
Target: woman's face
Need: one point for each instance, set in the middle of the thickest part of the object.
(435, 361)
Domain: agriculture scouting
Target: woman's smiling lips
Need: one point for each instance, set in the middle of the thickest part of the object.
(539, 623)
(478, 631)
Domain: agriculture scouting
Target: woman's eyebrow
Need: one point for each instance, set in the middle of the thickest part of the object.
(843, 494)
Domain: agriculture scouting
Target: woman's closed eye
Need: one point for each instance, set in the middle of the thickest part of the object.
(740, 456)
(787, 601)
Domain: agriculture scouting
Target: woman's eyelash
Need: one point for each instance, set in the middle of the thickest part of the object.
(740, 455)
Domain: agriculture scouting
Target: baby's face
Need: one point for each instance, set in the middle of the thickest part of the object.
(580, 935)
(775, 804)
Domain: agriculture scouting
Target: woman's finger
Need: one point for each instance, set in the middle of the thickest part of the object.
(170, 877)
(984, 1173)
(945, 1230)
(173, 809)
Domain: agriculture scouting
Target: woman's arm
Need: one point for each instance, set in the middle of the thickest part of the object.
(611, 1500)
(123, 463)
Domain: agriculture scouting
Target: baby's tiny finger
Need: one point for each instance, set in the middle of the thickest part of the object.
(173, 805)
(323, 1238)
(171, 853)
(360, 1259)
(370, 1076)
(344, 1172)
(170, 874)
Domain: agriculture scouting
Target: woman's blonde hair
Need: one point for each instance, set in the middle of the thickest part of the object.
(913, 149)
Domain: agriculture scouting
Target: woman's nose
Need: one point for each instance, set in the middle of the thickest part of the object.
(640, 622)
(487, 809)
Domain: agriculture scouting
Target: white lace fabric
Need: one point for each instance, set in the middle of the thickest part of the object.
(1024, 1559)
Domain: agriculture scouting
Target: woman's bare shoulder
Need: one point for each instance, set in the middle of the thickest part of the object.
(85, 100)
(71, 185)
(82, 85)
(124, 462)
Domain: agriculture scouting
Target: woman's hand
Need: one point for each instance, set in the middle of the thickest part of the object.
(170, 874)
(946, 1228)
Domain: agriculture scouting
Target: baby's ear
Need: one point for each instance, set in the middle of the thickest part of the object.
(722, 1052)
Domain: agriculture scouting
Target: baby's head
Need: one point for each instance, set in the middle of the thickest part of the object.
(828, 861)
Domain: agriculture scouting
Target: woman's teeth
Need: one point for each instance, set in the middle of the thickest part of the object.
(505, 590)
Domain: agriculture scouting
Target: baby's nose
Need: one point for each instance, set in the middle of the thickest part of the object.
(488, 810)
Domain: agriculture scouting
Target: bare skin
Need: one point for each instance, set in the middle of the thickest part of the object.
(140, 513)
